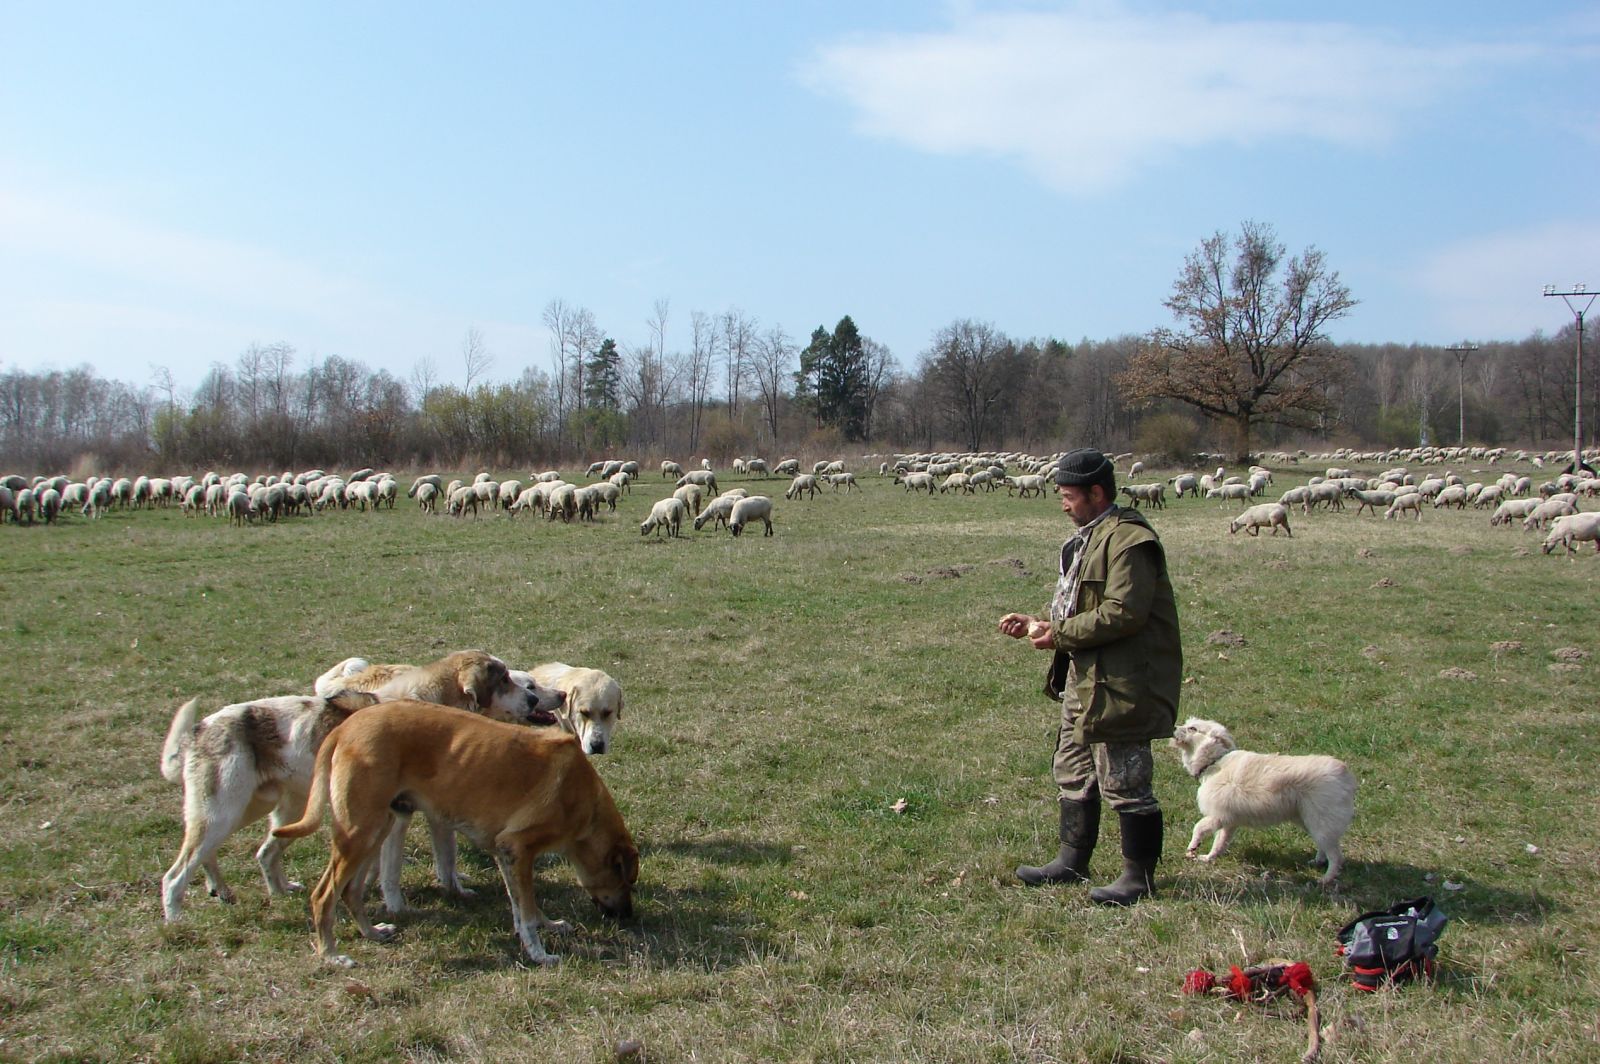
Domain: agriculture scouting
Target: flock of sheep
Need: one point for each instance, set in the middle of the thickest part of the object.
(1410, 481)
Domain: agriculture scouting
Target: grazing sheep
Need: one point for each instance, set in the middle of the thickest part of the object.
(787, 468)
(957, 482)
(1185, 484)
(752, 466)
(844, 480)
(1572, 529)
(1327, 492)
(667, 514)
(1155, 494)
(915, 482)
(1512, 510)
(563, 500)
(461, 500)
(692, 495)
(1411, 500)
(670, 470)
(805, 482)
(240, 508)
(607, 492)
(428, 498)
(703, 477)
(1230, 491)
(1135, 469)
(1454, 495)
(1371, 500)
(1273, 515)
(1025, 485)
(716, 512)
(754, 508)
(1546, 512)
(1295, 497)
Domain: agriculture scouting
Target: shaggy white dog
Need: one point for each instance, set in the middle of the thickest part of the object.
(1243, 789)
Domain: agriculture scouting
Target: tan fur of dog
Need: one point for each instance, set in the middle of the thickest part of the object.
(1239, 788)
(593, 706)
(468, 679)
(516, 792)
(238, 765)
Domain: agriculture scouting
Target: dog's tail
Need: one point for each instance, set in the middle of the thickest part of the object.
(329, 683)
(317, 800)
(180, 733)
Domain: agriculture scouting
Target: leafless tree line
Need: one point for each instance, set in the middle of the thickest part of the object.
(731, 390)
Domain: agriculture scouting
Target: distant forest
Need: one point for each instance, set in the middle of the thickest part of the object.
(741, 389)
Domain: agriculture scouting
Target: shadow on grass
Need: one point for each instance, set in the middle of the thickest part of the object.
(722, 851)
(1364, 886)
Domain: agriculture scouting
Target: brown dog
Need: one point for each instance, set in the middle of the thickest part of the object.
(515, 792)
(468, 679)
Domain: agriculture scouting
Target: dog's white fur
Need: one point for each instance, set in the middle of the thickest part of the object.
(236, 766)
(593, 706)
(1239, 788)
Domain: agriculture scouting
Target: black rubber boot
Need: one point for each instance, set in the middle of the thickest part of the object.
(1080, 827)
(1141, 849)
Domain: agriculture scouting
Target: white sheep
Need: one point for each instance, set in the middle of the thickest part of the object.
(716, 512)
(803, 483)
(670, 470)
(1546, 512)
(1512, 510)
(1230, 491)
(915, 482)
(754, 508)
(1371, 500)
(844, 480)
(1185, 484)
(1155, 494)
(1273, 515)
(1024, 485)
(693, 497)
(1411, 500)
(667, 514)
(1572, 529)
(1454, 495)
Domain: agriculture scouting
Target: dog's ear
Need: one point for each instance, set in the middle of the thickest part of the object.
(625, 862)
(347, 701)
(483, 678)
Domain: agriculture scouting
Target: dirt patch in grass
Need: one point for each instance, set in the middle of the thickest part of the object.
(1225, 637)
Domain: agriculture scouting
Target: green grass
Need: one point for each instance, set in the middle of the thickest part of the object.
(782, 695)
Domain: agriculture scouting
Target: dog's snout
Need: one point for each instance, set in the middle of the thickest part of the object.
(620, 909)
(597, 748)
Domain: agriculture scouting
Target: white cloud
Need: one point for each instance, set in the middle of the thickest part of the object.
(1086, 96)
(1491, 286)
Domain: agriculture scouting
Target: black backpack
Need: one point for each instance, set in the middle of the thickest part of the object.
(1397, 944)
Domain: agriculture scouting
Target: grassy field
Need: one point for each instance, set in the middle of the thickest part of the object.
(784, 696)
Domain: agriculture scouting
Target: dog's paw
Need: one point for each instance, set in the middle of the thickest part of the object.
(1205, 857)
(339, 960)
(293, 886)
(383, 932)
(544, 960)
(1191, 854)
(225, 896)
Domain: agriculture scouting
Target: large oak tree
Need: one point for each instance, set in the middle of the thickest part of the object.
(1251, 345)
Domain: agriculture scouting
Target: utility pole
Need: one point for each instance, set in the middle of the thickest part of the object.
(1461, 351)
(1584, 300)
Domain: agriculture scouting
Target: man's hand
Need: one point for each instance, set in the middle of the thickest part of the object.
(1017, 625)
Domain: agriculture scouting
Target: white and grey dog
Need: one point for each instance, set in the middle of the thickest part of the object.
(1239, 788)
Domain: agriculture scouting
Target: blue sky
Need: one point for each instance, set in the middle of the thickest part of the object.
(178, 182)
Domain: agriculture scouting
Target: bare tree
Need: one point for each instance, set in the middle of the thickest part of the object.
(738, 338)
(424, 378)
(971, 367)
(475, 356)
(1252, 347)
(773, 366)
(696, 371)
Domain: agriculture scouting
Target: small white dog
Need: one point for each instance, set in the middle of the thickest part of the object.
(1243, 789)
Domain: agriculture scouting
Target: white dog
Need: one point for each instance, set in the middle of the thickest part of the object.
(593, 701)
(1243, 789)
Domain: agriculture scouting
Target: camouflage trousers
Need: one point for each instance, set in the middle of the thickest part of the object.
(1121, 773)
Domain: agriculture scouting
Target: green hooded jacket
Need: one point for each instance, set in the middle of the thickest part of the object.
(1122, 637)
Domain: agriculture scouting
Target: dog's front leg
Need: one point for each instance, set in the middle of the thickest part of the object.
(1201, 830)
(1218, 844)
(516, 868)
